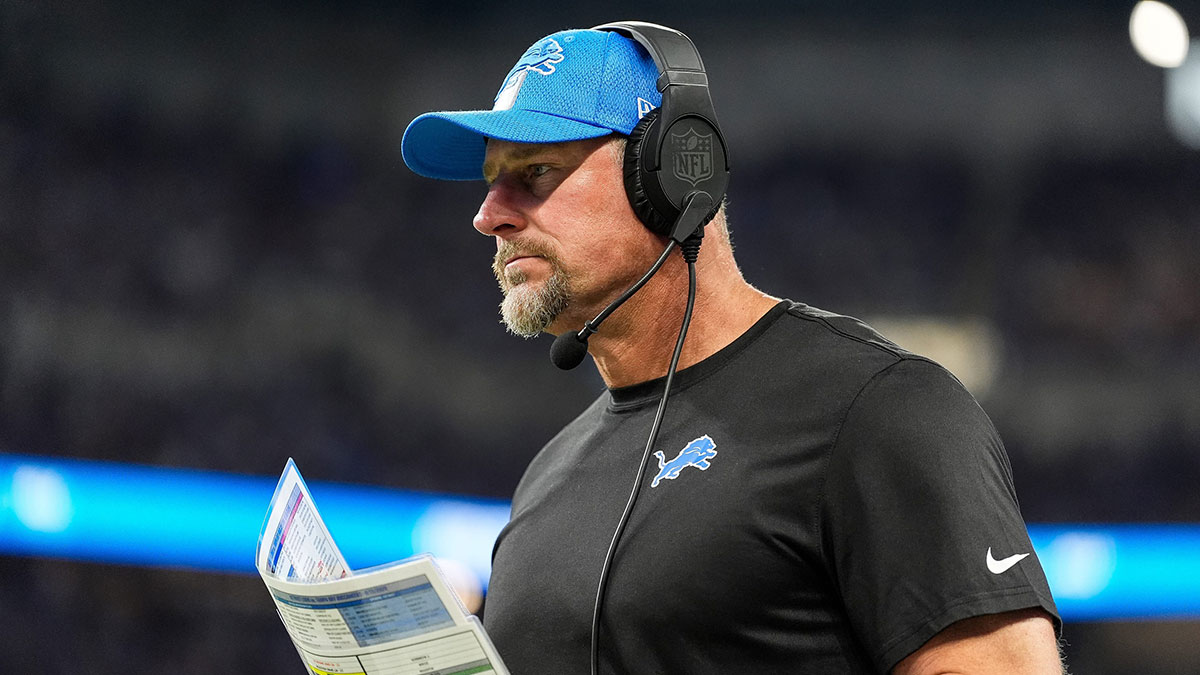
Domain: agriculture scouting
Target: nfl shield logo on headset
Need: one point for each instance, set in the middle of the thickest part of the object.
(692, 156)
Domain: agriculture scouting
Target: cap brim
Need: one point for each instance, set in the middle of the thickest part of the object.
(451, 145)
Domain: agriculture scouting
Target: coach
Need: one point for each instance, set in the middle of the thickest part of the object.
(814, 499)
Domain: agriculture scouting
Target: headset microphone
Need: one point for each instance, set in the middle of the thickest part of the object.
(568, 349)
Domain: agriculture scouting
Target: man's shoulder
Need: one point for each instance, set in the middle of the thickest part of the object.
(850, 349)
(830, 346)
(852, 333)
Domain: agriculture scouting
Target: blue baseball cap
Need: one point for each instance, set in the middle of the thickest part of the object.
(568, 86)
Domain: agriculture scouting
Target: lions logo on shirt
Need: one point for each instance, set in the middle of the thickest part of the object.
(697, 453)
(541, 58)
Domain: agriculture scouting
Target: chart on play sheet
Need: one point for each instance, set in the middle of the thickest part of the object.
(300, 546)
(458, 651)
(391, 611)
(456, 654)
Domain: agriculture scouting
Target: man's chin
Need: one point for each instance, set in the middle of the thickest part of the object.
(533, 307)
(524, 313)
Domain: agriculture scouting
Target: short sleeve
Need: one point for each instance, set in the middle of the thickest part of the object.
(920, 520)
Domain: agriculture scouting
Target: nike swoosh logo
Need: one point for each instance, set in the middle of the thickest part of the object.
(1003, 565)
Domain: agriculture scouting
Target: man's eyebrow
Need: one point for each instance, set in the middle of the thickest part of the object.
(520, 153)
(527, 151)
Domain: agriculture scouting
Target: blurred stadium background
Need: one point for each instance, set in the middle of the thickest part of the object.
(213, 258)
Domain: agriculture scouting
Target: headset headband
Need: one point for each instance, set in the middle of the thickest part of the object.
(681, 80)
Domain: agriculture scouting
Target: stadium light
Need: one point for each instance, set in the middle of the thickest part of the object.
(1159, 34)
(1182, 105)
(209, 521)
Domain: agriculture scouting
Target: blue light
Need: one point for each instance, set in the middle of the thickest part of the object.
(1121, 572)
(41, 500)
(134, 514)
(121, 513)
(109, 512)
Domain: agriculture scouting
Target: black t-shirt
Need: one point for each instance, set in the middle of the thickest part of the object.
(825, 503)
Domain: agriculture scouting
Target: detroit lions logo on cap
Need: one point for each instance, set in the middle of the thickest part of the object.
(697, 453)
(541, 58)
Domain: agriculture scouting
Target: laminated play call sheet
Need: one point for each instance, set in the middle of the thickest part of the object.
(396, 619)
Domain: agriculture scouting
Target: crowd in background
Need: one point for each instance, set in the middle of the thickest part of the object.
(193, 296)
(192, 301)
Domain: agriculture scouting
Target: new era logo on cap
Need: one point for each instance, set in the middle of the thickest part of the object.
(644, 107)
(567, 86)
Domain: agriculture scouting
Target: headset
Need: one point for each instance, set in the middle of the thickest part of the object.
(676, 167)
(676, 171)
(676, 150)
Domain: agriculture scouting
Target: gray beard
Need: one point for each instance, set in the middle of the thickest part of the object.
(528, 310)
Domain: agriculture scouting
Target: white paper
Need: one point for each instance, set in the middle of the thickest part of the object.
(396, 619)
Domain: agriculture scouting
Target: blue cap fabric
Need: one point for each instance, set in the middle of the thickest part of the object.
(568, 86)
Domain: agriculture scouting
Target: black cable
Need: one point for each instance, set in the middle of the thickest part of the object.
(591, 326)
(690, 249)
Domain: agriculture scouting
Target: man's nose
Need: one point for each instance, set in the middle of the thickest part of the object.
(498, 215)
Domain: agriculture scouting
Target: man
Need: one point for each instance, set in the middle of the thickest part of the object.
(824, 501)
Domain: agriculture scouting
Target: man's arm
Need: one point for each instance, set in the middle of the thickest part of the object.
(1018, 642)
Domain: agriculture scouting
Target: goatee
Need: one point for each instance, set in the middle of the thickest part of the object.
(528, 309)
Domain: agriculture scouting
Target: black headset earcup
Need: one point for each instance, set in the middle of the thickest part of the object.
(636, 177)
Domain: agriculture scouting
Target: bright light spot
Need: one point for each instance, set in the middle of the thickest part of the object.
(463, 532)
(40, 499)
(464, 581)
(1159, 34)
(966, 346)
(1079, 564)
(1183, 99)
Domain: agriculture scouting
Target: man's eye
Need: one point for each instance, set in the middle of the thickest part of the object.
(538, 170)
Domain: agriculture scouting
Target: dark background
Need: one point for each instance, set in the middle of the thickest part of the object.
(212, 256)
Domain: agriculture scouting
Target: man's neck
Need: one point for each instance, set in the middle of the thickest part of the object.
(635, 345)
